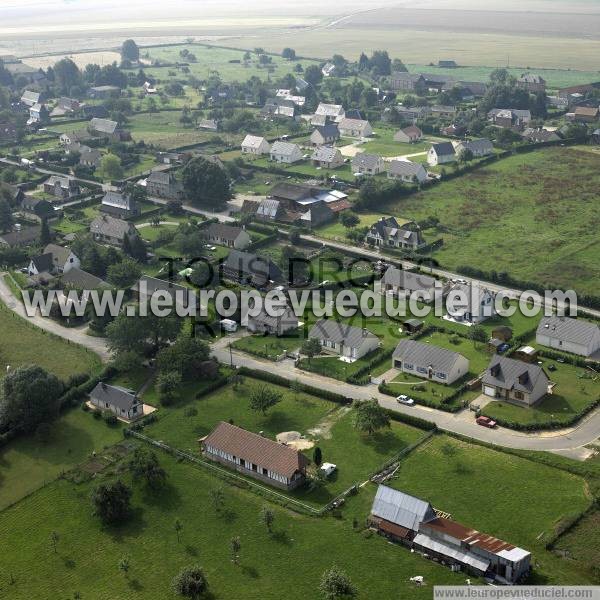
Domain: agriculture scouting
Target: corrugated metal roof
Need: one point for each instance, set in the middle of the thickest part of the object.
(454, 552)
(400, 508)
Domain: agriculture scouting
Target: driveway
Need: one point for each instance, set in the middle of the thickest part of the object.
(562, 441)
(77, 335)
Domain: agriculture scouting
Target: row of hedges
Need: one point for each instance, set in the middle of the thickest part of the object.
(508, 280)
(363, 375)
(269, 239)
(552, 424)
(284, 382)
(385, 388)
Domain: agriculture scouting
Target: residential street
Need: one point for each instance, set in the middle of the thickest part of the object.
(462, 423)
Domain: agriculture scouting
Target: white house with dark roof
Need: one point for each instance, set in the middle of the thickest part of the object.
(479, 148)
(429, 362)
(367, 164)
(407, 171)
(325, 135)
(348, 341)
(515, 381)
(469, 304)
(285, 152)
(569, 335)
(441, 154)
(122, 402)
(255, 145)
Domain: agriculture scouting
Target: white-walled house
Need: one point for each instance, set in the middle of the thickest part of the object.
(441, 154)
(122, 402)
(569, 335)
(515, 381)
(346, 340)
(285, 152)
(227, 235)
(55, 260)
(407, 171)
(470, 304)
(255, 145)
(355, 128)
(429, 362)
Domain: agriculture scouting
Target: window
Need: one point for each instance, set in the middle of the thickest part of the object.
(421, 370)
(408, 366)
(519, 395)
(441, 375)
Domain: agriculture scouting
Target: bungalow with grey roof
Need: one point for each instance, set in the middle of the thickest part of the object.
(274, 325)
(90, 157)
(102, 92)
(441, 154)
(110, 230)
(29, 98)
(327, 157)
(333, 112)
(367, 164)
(407, 171)
(355, 128)
(227, 235)
(515, 381)
(569, 335)
(285, 152)
(346, 340)
(20, 237)
(478, 148)
(429, 362)
(402, 283)
(122, 402)
(108, 129)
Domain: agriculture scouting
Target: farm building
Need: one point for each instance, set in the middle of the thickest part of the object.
(256, 456)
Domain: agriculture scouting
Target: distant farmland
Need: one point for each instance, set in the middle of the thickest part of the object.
(534, 216)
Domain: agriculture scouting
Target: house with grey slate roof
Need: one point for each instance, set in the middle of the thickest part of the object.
(327, 157)
(346, 340)
(120, 205)
(478, 148)
(388, 232)
(325, 135)
(110, 230)
(227, 235)
(402, 283)
(569, 335)
(120, 401)
(441, 154)
(429, 362)
(163, 184)
(515, 381)
(273, 325)
(285, 152)
(407, 171)
(367, 164)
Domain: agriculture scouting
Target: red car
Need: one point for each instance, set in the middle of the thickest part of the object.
(485, 422)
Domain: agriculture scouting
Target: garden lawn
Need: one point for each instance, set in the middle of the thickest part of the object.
(336, 231)
(532, 215)
(23, 343)
(574, 391)
(180, 427)
(26, 463)
(512, 498)
(294, 555)
(383, 144)
(150, 233)
(269, 346)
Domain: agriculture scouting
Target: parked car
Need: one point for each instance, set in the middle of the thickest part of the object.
(551, 367)
(485, 422)
(402, 399)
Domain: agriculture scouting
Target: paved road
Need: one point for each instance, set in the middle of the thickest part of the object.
(568, 442)
(563, 441)
(375, 254)
(222, 216)
(76, 335)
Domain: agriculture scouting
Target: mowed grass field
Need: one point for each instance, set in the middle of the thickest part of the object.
(293, 557)
(510, 497)
(533, 215)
